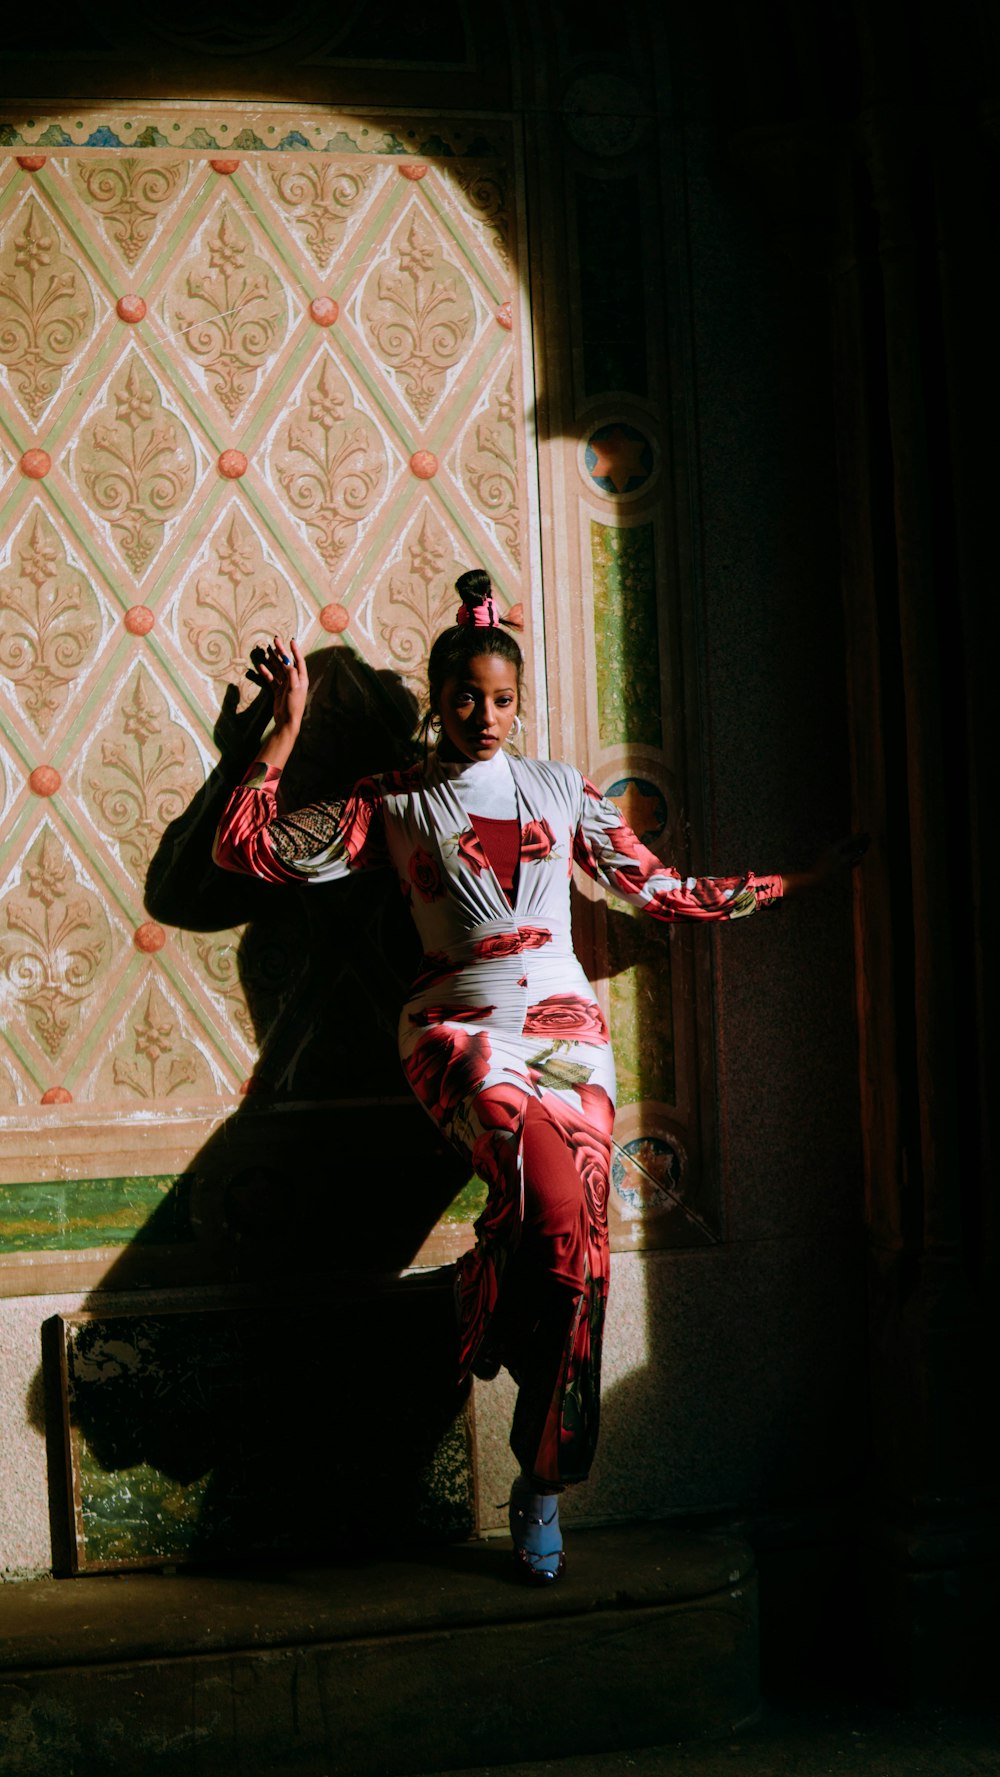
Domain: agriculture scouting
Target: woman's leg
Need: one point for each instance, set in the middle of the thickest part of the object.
(558, 1281)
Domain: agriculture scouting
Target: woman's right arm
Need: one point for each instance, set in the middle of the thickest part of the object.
(320, 842)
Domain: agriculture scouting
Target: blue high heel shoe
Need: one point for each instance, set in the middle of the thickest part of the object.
(534, 1527)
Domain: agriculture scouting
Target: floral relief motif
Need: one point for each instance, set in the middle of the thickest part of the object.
(237, 604)
(422, 317)
(319, 198)
(46, 309)
(147, 775)
(53, 937)
(420, 601)
(486, 190)
(231, 311)
(129, 195)
(137, 464)
(49, 617)
(161, 1062)
(217, 952)
(335, 466)
(489, 464)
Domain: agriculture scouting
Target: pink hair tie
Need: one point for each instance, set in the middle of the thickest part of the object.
(481, 616)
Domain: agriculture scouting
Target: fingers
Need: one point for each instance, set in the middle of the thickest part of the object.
(281, 665)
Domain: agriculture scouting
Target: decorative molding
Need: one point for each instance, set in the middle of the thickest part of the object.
(130, 195)
(276, 129)
(334, 466)
(46, 308)
(53, 940)
(140, 774)
(230, 310)
(49, 617)
(136, 463)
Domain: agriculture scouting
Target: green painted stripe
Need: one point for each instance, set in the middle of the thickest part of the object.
(625, 624)
(70, 1215)
(641, 1008)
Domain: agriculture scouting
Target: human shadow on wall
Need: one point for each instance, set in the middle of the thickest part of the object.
(302, 1397)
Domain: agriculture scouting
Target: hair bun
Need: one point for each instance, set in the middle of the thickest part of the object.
(479, 607)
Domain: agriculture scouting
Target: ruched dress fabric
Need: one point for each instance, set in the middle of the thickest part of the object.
(504, 1044)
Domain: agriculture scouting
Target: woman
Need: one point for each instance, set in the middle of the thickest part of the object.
(501, 1039)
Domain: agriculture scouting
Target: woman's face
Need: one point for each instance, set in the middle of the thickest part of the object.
(477, 710)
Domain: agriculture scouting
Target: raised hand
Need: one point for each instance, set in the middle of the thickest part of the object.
(283, 668)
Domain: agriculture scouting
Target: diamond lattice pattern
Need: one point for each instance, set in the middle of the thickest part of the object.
(281, 395)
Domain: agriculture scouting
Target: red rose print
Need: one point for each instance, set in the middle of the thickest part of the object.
(501, 1107)
(584, 854)
(626, 844)
(477, 1296)
(597, 1108)
(567, 1015)
(496, 1162)
(435, 965)
(432, 1015)
(445, 1067)
(707, 892)
(591, 1152)
(425, 875)
(533, 937)
(537, 840)
(629, 877)
(396, 783)
(471, 853)
(501, 944)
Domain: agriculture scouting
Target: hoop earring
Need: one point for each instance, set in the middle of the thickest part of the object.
(434, 724)
(517, 727)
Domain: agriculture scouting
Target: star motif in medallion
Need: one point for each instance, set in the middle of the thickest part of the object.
(642, 808)
(621, 457)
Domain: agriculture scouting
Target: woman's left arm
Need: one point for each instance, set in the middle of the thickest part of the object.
(609, 852)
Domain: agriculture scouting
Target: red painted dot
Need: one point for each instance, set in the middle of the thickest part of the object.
(45, 780)
(223, 166)
(232, 464)
(31, 164)
(424, 464)
(139, 620)
(56, 1095)
(413, 169)
(324, 310)
(334, 618)
(149, 937)
(505, 315)
(36, 463)
(130, 308)
(255, 1087)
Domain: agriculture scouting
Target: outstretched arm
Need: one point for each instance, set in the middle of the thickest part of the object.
(609, 851)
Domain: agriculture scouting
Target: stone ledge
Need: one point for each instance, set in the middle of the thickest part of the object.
(374, 1671)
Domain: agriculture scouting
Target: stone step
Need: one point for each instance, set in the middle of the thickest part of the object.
(434, 1661)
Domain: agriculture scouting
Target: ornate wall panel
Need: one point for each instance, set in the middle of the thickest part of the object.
(279, 373)
(252, 380)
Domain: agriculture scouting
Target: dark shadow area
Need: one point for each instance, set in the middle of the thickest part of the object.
(301, 1398)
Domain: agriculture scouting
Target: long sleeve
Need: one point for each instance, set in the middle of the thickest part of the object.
(609, 852)
(321, 842)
